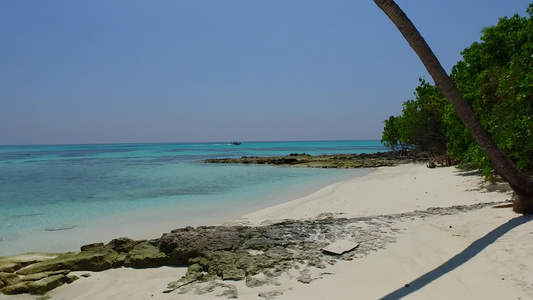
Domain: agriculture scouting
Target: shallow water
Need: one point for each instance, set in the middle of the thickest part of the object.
(45, 190)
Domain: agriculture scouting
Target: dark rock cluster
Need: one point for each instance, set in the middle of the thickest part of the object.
(214, 253)
(37, 273)
(348, 161)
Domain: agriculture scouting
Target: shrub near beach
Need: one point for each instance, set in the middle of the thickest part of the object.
(496, 78)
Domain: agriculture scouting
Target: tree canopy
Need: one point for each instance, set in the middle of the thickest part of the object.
(420, 126)
(495, 77)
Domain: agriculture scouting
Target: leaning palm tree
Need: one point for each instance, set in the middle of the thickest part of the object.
(521, 183)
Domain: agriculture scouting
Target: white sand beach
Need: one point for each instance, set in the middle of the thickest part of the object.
(480, 254)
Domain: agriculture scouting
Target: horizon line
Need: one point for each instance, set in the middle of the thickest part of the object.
(187, 142)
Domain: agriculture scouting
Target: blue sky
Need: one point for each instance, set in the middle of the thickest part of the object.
(232, 70)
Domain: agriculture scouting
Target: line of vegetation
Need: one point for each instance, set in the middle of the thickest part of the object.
(495, 77)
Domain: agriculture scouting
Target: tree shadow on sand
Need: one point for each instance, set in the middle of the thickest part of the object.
(459, 259)
(469, 173)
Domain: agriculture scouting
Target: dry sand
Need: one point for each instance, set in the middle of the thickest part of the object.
(481, 254)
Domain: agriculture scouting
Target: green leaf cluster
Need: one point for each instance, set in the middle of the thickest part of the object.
(495, 77)
(420, 126)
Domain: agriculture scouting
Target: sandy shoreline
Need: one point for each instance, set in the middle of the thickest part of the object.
(479, 254)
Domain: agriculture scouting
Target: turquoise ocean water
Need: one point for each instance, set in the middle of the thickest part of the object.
(48, 187)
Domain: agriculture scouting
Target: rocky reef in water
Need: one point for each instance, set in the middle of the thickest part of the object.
(348, 161)
(217, 255)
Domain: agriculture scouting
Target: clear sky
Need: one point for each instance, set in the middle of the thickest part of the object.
(209, 70)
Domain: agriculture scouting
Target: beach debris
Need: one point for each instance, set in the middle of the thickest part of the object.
(230, 292)
(260, 280)
(506, 205)
(226, 290)
(194, 273)
(340, 247)
(271, 295)
(442, 160)
(305, 276)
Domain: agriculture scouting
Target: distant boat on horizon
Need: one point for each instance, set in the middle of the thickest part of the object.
(235, 143)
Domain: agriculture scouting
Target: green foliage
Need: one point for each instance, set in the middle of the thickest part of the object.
(495, 77)
(391, 134)
(420, 126)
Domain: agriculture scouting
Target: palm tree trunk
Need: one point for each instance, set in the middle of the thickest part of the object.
(521, 183)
